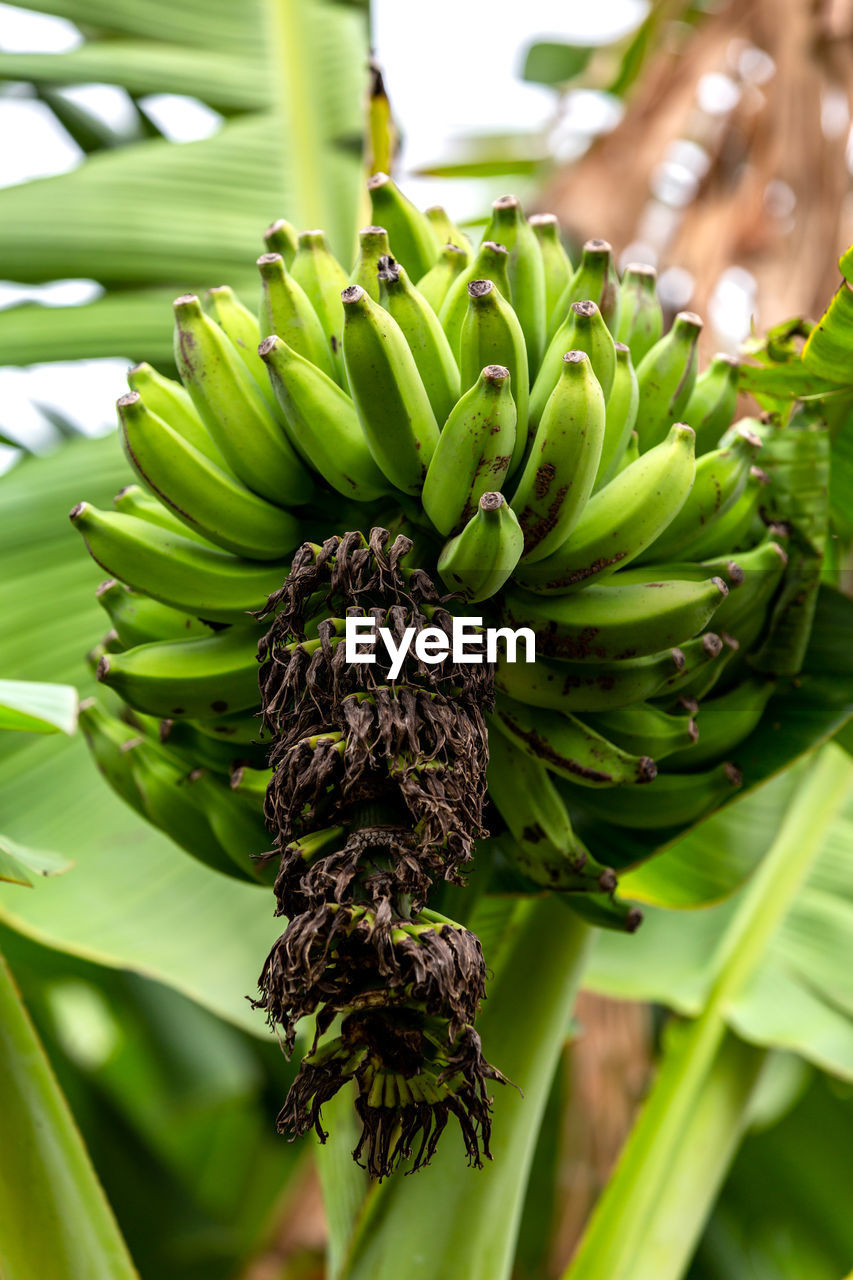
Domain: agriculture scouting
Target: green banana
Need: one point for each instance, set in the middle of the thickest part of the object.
(422, 330)
(322, 278)
(212, 675)
(198, 580)
(174, 405)
(389, 395)
(238, 324)
(373, 247)
(239, 730)
(557, 477)
(526, 270)
(672, 800)
(235, 410)
(489, 263)
(646, 728)
(446, 231)
(619, 417)
(595, 279)
(133, 500)
(703, 659)
(544, 846)
(713, 401)
(555, 261)
(480, 559)
(322, 423)
(239, 828)
(569, 748)
(473, 451)
(588, 686)
(665, 377)
(138, 619)
(725, 722)
(733, 526)
(631, 454)
(720, 479)
(204, 752)
(286, 310)
(415, 241)
(641, 315)
(621, 520)
(583, 330)
(281, 237)
(109, 740)
(491, 335)
(211, 501)
(610, 622)
(434, 285)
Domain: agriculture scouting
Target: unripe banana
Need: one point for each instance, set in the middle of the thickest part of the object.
(560, 469)
(203, 496)
(138, 619)
(446, 231)
(489, 263)
(171, 402)
(322, 423)
(422, 330)
(202, 751)
(644, 728)
(595, 279)
(732, 527)
(281, 237)
(187, 575)
(614, 621)
(713, 401)
(235, 410)
(555, 261)
(286, 310)
(323, 279)
(480, 559)
(641, 316)
(241, 327)
(508, 226)
(491, 335)
(589, 686)
(583, 330)
(435, 284)
(631, 454)
(620, 416)
(621, 520)
(672, 800)
(473, 451)
(544, 845)
(569, 748)
(133, 500)
(390, 398)
(721, 477)
(373, 247)
(212, 675)
(724, 723)
(109, 740)
(703, 659)
(666, 376)
(412, 236)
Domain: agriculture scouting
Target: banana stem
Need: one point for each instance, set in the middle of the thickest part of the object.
(660, 1191)
(467, 1220)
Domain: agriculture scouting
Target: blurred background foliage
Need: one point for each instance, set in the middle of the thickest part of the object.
(711, 139)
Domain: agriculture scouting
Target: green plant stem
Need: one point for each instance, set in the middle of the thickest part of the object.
(451, 1221)
(55, 1222)
(645, 1201)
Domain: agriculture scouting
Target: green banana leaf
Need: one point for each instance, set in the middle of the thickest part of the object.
(44, 1168)
(38, 708)
(151, 219)
(19, 864)
(800, 997)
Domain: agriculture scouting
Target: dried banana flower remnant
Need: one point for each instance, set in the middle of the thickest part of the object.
(377, 791)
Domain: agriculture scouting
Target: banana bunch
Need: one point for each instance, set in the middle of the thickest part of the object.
(529, 436)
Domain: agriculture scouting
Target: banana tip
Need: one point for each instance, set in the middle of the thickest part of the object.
(77, 510)
(103, 667)
(633, 920)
